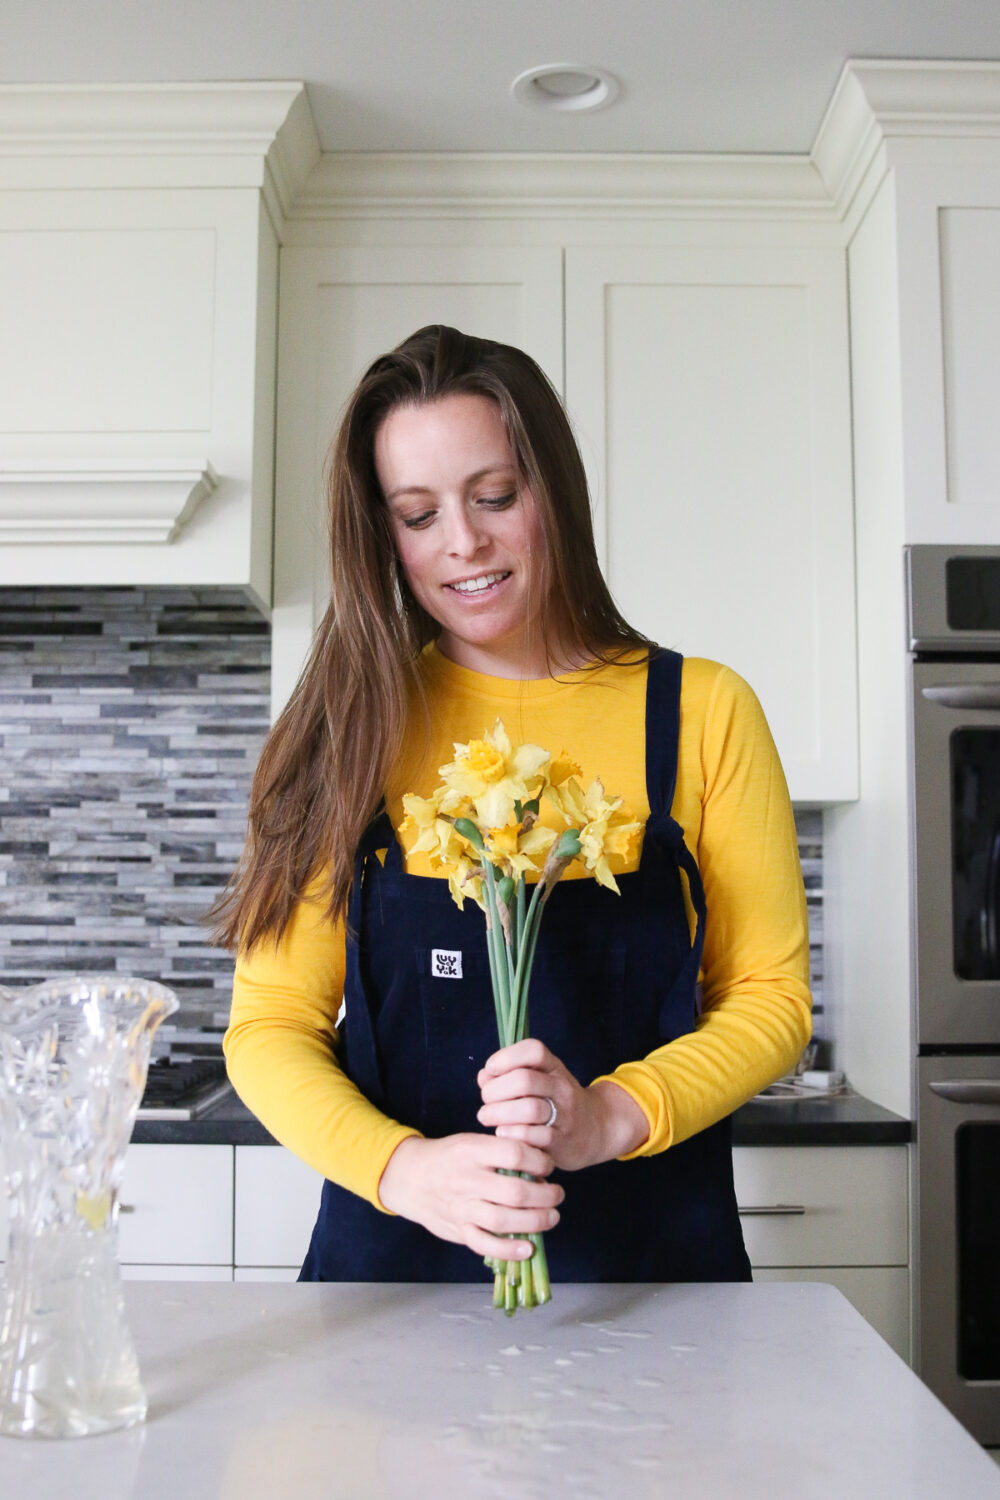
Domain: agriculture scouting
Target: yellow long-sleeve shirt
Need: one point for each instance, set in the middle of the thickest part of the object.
(732, 803)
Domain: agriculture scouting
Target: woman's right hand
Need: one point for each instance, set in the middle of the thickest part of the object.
(454, 1186)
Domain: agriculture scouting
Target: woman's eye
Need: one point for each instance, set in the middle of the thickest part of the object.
(498, 502)
(415, 523)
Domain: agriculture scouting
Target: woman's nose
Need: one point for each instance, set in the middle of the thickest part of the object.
(464, 535)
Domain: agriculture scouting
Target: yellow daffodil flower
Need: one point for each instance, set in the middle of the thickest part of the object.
(604, 825)
(495, 774)
(464, 880)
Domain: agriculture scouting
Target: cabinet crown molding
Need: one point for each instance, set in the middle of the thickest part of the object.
(526, 185)
(99, 504)
(877, 102)
(873, 102)
(158, 135)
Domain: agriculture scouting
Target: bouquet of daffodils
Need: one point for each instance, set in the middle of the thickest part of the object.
(483, 824)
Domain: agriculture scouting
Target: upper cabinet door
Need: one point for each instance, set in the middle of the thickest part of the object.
(137, 373)
(710, 392)
(947, 235)
(339, 309)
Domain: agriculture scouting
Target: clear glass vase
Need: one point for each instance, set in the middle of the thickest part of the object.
(73, 1059)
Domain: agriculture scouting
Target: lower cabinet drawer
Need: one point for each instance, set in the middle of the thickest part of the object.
(823, 1205)
(277, 1200)
(176, 1273)
(177, 1206)
(881, 1295)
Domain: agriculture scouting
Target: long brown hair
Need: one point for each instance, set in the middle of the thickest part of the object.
(324, 766)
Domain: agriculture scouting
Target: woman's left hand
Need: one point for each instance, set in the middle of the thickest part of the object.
(522, 1085)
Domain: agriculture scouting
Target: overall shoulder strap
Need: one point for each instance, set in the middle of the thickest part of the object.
(663, 724)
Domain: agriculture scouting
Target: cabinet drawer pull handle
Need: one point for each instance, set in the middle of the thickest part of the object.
(772, 1208)
(126, 1208)
(968, 1090)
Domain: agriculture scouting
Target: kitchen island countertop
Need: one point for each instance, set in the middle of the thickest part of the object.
(352, 1392)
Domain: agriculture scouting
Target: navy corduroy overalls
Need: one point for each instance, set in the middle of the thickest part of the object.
(614, 978)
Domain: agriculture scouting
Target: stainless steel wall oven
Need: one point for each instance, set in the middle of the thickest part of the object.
(954, 630)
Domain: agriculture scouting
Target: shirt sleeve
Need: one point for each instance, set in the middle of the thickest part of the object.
(281, 1054)
(755, 1018)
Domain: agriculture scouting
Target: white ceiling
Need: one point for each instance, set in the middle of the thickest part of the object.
(390, 75)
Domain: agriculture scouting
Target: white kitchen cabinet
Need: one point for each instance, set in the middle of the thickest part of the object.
(177, 1206)
(134, 1272)
(946, 226)
(832, 1213)
(137, 374)
(277, 1200)
(710, 389)
(881, 1295)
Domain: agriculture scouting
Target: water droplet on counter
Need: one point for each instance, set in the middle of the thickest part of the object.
(608, 1349)
(627, 1333)
(511, 1349)
(582, 1353)
(684, 1348)
(648, 1380)
(553, 1447)
(534, 1348)
(562, 1361)
(606, 1406)
(460, 1317)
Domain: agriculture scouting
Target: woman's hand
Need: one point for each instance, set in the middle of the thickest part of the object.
(455, 1187)
(521, 1085)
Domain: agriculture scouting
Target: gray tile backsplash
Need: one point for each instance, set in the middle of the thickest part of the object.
(130, 724)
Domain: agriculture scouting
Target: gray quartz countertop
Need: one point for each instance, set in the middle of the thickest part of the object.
(842, 1120)
(372, 1392)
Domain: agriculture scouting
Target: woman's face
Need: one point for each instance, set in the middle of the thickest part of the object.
(467, 532)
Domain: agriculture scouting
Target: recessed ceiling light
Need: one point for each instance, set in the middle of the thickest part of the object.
(563, 86)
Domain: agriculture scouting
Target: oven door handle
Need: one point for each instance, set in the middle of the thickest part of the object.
(964, 695)
(968, 1090)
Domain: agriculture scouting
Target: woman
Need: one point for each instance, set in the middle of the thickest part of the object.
(465, 587)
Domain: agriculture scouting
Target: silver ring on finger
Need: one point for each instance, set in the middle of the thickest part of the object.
(553, 1112)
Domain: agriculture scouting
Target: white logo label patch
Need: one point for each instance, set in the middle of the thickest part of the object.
(446, 963)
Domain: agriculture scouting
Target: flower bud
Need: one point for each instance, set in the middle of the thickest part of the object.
(468, 830)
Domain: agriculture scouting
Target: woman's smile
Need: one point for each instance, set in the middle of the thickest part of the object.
(478, 585)
(467, 531)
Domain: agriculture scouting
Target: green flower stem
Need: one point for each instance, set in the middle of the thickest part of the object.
(540, 1270)
(499, 972)
(510, 1294)
(512, 956)
(525, 960)
(494, 985)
